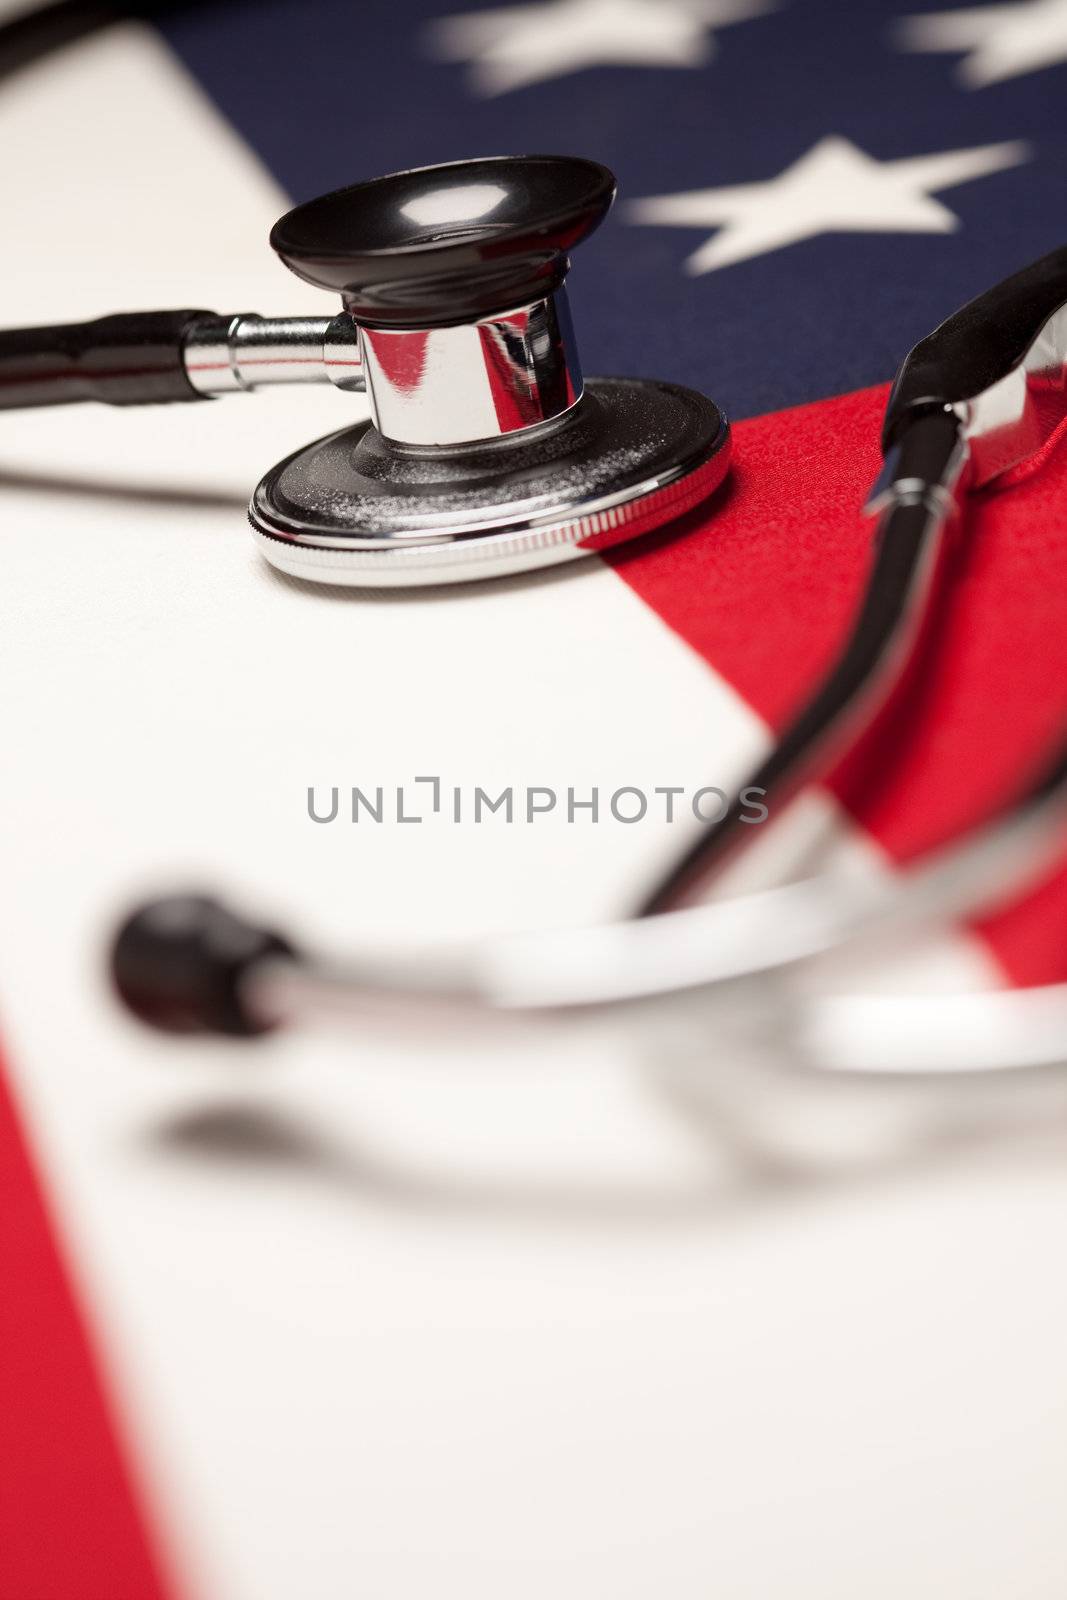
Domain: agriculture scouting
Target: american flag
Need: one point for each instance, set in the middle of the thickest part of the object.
(396, 1320)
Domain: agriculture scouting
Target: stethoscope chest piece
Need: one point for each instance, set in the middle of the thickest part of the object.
(630, 458)
(486, 452)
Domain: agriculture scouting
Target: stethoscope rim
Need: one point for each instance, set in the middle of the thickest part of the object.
(473, 542)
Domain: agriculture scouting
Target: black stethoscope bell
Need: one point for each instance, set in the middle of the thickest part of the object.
(486, 453)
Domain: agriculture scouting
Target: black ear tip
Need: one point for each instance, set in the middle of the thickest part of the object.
(178, 964)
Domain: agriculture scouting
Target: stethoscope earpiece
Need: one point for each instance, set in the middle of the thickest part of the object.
(179, 964)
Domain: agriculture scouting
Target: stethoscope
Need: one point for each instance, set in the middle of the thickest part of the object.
(487, 454)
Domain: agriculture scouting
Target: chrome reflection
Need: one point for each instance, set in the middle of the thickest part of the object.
(223, 355)
(476, 382)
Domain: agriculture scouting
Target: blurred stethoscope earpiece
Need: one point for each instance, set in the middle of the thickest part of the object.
(192, 965)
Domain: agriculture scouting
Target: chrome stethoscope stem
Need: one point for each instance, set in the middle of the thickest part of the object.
(495, 378)
(223, 355)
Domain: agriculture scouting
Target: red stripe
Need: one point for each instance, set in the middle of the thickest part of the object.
(70, 1524)
(763, 587)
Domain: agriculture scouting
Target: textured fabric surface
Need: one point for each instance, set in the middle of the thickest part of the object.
(70, 1522)
(785, 545)
(331, 91)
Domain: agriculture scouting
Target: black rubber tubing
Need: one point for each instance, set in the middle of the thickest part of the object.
(130, 359)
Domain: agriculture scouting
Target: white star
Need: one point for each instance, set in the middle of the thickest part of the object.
(523, 44)
(999, 41)
(834, 188)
